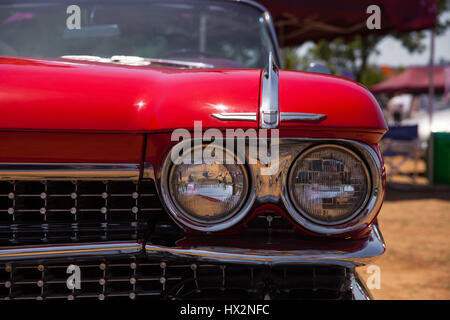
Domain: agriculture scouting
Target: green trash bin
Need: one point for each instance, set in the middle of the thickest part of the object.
(441, 157)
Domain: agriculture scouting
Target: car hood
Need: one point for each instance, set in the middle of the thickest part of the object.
(72, 95)
(68, 95)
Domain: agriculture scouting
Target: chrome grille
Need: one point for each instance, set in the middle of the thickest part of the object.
(64, 211)
(134, 278)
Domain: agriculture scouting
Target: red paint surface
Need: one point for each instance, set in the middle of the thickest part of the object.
(67, 95)
(348, 106)
(65, 147)
(70, 111)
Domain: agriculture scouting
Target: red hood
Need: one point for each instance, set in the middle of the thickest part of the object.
(347, 105)
(65, 95)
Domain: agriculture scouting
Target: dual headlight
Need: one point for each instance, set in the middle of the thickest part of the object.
(208, 193)
(327, 185)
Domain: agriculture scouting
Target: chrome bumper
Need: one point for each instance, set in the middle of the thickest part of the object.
(351, 256)
(368, 249)
(346, 256)
(114, 248)
(358, 289)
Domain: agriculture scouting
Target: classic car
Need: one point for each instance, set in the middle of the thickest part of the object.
(105, 107)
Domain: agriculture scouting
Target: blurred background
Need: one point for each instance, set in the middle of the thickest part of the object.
(405, 62)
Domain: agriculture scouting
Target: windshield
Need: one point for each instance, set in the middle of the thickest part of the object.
(220, 33)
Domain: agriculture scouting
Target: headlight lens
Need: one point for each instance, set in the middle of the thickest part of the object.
(208, 193)
(329, 184)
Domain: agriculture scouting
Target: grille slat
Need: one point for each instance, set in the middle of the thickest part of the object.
(135, 277)
(66, 211)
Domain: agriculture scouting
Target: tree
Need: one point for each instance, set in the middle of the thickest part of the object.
(290, 58)
(341, 55)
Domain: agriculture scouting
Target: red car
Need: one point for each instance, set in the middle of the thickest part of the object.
(156, 149)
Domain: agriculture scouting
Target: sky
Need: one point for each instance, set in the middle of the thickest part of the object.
(392, 53)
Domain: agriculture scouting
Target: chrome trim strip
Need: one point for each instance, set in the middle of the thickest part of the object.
(69, 171)
(270, 109)
(139, 61)
(372, 247)
(295, 116)
(68, 250)
(284, 116)
(149, 172)
(180, 63)
(245, 116)
(358, 288)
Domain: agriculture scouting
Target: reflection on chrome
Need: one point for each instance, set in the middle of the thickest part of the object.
(208, 192)
(214, 192)
(277, 188)
(317, 193)
(329, 183)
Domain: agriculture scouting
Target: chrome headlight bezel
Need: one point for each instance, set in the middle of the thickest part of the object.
(187, 220)
(366, 213)
(273, 189)
(307, 215)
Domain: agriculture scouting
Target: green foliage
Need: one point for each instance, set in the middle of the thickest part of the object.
(443, 6)
(371, 75)
(412, 41)
(340, 55)
(291, 59)
(344, 55)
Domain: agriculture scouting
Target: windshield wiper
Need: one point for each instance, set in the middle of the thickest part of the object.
(140, 61)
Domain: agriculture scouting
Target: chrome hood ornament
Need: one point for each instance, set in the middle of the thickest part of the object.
(270, 115)
(270, 109)
(243, 116)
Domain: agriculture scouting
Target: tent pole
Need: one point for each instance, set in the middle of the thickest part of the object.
(431, 87)
(430, 109)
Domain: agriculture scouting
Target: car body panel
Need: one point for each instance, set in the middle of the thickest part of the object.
(347, 105)
(82, 122)
(67, 96)
(54, 147)
(47, 95)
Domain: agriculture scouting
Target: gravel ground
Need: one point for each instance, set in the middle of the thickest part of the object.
(415, 223)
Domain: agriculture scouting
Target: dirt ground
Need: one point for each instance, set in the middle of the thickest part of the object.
(415, 223)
